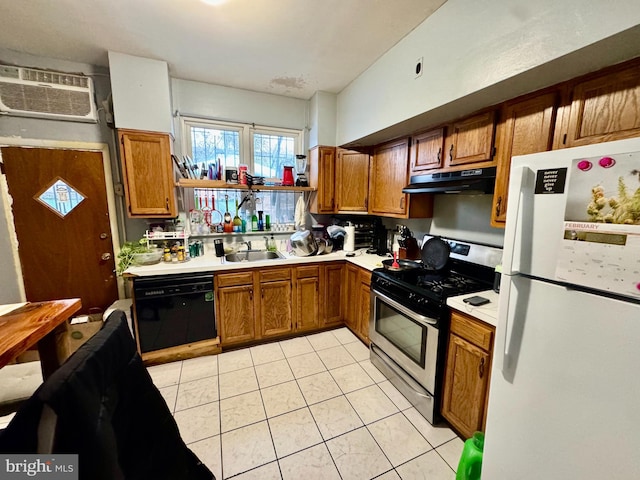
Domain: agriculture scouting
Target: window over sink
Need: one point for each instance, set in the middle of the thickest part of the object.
(265, 150)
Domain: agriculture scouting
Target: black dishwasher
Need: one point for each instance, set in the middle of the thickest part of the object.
(173, 310)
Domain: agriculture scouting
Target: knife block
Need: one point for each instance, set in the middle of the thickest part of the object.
(410, 249)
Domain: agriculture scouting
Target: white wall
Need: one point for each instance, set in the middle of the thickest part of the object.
(236, 105)
(469, 46)
(322, 119)
(141, 95)
(460, 217)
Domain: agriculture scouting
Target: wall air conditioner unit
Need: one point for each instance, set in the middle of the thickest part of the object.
(44, 94)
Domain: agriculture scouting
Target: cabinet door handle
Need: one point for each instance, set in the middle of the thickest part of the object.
(251, 294)
(451, 153)
(440, 154)
(481, 368)
(498, 205)
(167, 203)
(402, 203)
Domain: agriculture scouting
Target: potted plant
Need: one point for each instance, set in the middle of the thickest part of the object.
(137, 253)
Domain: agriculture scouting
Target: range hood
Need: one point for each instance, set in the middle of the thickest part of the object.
(476, 180)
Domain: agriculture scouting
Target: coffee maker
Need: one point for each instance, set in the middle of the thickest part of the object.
(379, 239)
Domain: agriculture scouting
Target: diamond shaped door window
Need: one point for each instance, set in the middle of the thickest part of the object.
(60, 197)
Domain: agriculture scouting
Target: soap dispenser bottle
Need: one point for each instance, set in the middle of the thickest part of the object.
(260, 221)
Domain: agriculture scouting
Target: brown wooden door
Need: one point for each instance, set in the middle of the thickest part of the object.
(471, 140)
(526, 127)
(322, 162)
(235, 313)
(307, 298)
(332, 293)
(148, 174)
(427, 151)
(465, 386)
(389, 175)
(275, 307)
(351, 297)
(605, 108)
(65, 248)
(352, 181)
(364, 310)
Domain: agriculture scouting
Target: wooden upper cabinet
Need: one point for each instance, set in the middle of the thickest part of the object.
(526, 126)
(352, 181)
(322, 175)
(389, 175)
(470, 140)
(605, 107)
(147, 171)
(427, 151)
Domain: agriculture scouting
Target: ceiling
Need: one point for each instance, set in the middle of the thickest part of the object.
(284, 47)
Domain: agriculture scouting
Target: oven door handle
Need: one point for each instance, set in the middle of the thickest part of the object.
(413, 315)
(399, 373)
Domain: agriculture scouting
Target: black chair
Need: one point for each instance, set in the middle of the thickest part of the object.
(102, 405)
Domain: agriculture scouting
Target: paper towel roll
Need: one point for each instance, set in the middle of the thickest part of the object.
(350, 239)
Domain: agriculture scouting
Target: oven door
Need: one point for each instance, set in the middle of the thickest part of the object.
(406, 337)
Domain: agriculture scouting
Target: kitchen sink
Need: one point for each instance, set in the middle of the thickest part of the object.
(252, 256)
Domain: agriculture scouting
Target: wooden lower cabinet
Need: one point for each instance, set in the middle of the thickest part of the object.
(274, 306)
(307, 298)
(364, 300)
(234, 307)
(467, 374)
(351, 304)
(358, 301)
(332, 293)
(256, 304)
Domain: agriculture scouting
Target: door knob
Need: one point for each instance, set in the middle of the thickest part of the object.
(103, 236)
(105, 256)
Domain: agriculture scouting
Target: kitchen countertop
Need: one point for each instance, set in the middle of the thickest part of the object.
(488, 313)
(210, 263)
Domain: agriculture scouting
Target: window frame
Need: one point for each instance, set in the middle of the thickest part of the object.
(246, 130)
(247, 155)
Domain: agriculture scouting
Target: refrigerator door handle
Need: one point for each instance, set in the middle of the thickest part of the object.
(501, 356)
(518, 178)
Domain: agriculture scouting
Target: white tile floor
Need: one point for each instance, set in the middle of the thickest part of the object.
(309, 408)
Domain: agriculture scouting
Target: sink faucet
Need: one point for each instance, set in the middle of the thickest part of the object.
(248, 244)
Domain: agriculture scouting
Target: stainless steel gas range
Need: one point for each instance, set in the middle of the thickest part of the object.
(410, 320)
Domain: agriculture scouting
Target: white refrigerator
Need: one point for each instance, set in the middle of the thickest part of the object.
(564, 399)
